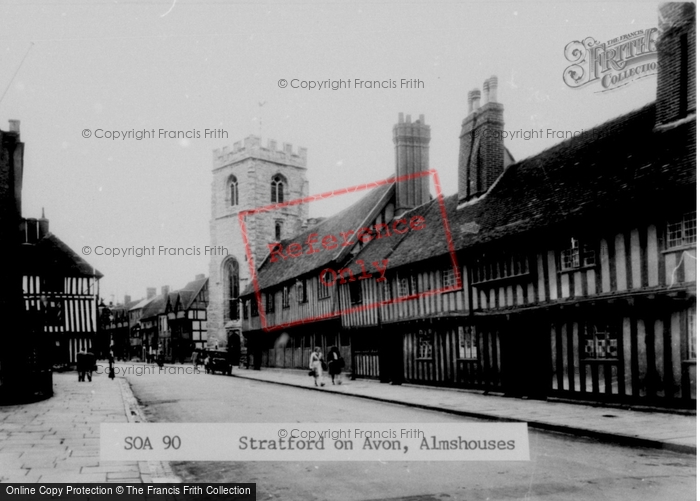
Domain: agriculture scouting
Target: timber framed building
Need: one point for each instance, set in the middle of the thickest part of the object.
(569, 274)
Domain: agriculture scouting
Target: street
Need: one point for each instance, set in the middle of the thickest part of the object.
(561, 467)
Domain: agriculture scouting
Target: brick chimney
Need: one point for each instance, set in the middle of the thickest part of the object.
(411, 141)
(150, 292)
(481, 152)
(127, 300)
(199, 276)
(165, 290)
(675, 87)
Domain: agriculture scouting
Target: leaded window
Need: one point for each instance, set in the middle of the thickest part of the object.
(682, 231)
(577, 254)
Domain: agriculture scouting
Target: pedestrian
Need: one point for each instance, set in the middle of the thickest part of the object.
(111, 364)
(151, 353)
(335, 364)
(316, 365)
(195, 358)
(81, 362)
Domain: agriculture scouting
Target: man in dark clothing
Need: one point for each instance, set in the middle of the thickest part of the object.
(86, 364)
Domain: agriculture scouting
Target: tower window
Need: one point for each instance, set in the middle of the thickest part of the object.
(233, 191)
(277, 189)
(278, 231)
(231, 289)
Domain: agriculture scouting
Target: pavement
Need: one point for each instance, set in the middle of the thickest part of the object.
(57, 440)
(633, 427)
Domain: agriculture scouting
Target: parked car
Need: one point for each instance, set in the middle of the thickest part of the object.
(217, 361)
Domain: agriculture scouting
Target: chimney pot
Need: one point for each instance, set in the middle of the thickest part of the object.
(14, 125)
(487, 98)
(493, 89)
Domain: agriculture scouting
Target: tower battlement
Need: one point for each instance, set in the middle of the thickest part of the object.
(251, 147)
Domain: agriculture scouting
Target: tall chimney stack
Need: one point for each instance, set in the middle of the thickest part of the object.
(150, 292)
(675, 87)
(411, 142)
(165, 290)
(481, 151)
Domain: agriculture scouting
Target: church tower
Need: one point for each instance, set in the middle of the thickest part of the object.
(246, 177)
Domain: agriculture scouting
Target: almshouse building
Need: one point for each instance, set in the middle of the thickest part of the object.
(569, 274)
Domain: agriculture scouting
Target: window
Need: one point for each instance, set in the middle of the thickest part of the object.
(285, 296)
(356, 292)
(254, 308)
(324, 291)
(53, 312)
(682, 231)
(53, 283)
(231, 289)
(302, 291)
(408, 286)
(467, 342)
(270, 302)
(575, 255)
(277, 189)
(233, 191)
(448, 278)
(425, 344)
(692, 335)
(490, 266)
(246, 306)
(386, 290)
(278, 231)
(600, 342)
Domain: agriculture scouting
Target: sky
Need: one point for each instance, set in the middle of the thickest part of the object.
(68, 67)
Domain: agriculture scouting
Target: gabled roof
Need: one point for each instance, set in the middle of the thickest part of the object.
(51, 256)
(621, 170)
(190, 291)
(350, 219)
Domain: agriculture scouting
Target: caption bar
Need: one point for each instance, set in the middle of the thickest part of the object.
(314, 442)
(128, 492)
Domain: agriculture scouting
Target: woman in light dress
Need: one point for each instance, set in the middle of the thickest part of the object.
(316, 365)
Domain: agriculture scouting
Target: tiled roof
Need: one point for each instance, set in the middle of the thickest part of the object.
(618, 171)
(189, 292)
(353, 218)
(51, 256)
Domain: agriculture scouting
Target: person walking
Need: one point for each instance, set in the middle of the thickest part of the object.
(316, 365)
(195, 358)
(335, 364)
(81, 362)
